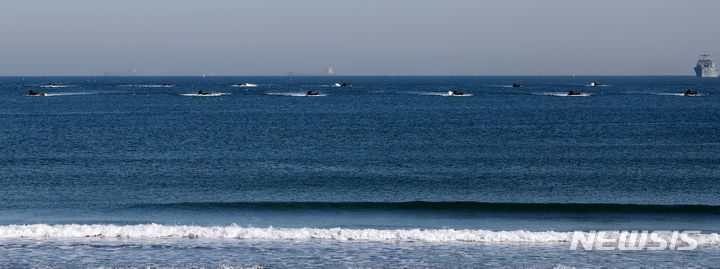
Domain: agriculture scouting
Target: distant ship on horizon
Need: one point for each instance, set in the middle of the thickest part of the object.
(705, 68)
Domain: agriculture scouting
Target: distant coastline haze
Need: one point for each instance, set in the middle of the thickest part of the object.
(519, 37)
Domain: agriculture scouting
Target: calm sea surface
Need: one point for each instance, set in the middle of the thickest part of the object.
(390, 172)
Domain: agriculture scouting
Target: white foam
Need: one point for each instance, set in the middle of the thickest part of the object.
(205, 95)
(294, 94)
(336, 85)
(236, 232)
(149, 231)
(246, 85)
(54, 86)
(67, 93)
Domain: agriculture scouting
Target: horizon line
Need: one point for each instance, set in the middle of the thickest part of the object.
(357, 75)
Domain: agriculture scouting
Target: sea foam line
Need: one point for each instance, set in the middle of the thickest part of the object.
(150, 231)
(67, 93)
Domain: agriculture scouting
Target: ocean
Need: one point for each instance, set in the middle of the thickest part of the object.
(389, 172)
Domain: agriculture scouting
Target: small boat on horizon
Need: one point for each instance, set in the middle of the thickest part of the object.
(455, 93)
(243, 84)
(691, 93)
(34, 93)
(574, 93)
(53, 85)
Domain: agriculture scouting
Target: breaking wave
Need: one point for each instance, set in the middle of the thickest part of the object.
(150, 231)
(458, 206)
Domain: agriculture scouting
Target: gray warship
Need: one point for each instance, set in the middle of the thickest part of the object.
(705, 67)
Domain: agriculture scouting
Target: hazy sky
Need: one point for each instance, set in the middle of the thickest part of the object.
(272, 37)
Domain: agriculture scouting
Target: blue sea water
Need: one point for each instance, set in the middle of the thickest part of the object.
(122, 172)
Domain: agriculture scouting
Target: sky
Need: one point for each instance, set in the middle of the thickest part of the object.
(368, 37)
